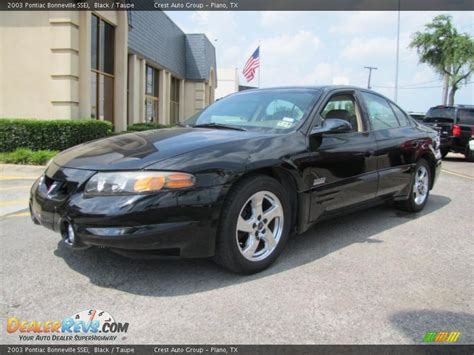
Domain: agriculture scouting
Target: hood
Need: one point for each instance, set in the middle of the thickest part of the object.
(135, 151)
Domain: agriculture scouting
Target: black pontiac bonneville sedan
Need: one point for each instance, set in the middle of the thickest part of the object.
(237, 179)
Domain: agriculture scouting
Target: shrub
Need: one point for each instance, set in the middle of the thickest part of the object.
(27, 156)
(49, 134)
(136, 127)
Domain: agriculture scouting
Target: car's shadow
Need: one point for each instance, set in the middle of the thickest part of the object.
(163, 278)
(416, 323)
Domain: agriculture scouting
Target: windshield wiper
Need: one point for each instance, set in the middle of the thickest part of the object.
(218, 125)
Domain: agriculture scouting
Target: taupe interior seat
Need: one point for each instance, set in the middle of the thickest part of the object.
(344, 115)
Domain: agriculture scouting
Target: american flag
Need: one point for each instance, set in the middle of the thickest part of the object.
(252, 65)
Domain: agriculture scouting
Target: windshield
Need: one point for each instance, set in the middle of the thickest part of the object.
(466, 116)
(270, 110)
(447, 113)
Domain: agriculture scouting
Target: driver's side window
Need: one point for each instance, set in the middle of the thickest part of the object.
(381, 115)
(343, 107)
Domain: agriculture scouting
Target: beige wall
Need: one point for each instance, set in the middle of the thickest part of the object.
(135, 81)
(164, 97)
(228, 82)
(39, 67)
(136, 89)
(194, 97)
(64, 59)
(85, 64)
(121, 64)
(182, 116)
(198, 95)
(45, 70)
(190, 93)
(45, 64)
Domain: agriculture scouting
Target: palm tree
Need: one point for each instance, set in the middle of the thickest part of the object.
(448, 52)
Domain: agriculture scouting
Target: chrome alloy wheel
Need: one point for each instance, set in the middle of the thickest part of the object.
(259, 226)
(420, 187)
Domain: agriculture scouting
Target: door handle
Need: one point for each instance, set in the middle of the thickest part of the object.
(369, 153)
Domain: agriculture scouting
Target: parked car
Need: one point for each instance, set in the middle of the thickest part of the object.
(455, 124)
(239, 177)
(470, 151)
(417, 116)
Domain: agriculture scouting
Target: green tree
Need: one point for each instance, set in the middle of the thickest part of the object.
(448, 52)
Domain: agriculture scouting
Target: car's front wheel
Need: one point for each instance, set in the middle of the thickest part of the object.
(420, 188)
(254, 225)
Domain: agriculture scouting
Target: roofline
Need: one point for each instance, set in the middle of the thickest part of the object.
(174, 23)
(454, 106)
(314, 87)
(201, 34)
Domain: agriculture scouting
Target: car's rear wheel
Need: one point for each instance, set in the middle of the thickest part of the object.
(420, 188)
(254, 225)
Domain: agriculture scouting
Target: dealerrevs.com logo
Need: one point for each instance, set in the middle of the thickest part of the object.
(91, 324)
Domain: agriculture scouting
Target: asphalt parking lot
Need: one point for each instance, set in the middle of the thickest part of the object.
(376, 276)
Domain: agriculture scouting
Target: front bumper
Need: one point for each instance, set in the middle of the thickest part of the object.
(166, 224)
(179, 239)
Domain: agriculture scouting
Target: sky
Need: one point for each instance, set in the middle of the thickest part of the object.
(317, 48)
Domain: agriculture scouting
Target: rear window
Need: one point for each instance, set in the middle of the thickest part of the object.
(446, 114)
(466, 116)
(402, 118)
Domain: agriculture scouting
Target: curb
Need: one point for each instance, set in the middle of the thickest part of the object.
(21, 170)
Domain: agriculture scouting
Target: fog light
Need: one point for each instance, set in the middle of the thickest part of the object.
(68, 233)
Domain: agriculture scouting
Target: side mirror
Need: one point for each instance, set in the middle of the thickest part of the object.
(332, 125)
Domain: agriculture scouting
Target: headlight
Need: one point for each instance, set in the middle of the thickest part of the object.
(137, 182)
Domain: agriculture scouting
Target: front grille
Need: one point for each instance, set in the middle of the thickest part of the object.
(48, 182)
(57, 189)
(58, 183)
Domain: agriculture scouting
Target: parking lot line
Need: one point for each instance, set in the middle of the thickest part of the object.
(15, 187)
(6, 177)
(13, 202)
(457, 174)
(20, 214)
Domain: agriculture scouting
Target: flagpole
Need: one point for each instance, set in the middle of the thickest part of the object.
(260, 60)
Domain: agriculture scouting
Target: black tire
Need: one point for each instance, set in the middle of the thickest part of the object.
(469, 155)
(228, 253)
(410, 204)
(444, 152)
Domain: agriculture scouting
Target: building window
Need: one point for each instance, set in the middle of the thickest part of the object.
(102, 69)
(174, 100)
(151, 94)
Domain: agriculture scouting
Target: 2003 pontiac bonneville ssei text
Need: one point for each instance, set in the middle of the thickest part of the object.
(237, 179)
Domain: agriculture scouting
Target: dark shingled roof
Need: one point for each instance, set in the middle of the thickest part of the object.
(154, 36)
